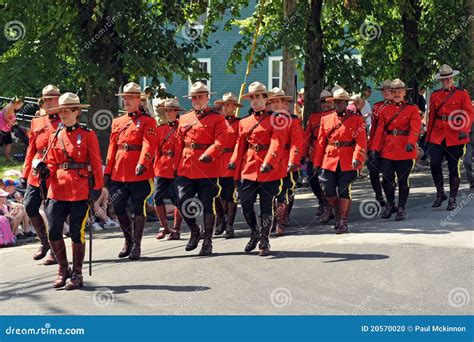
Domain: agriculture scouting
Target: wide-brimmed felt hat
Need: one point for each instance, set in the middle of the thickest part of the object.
(385, 84)
(50, 91)
(340, 94)
(277, 93)
(228, 98)
(256, 88)
(132, 89)
(198, 88)
(171, 103)
(68, 100)
(398, 84)
(446, 71)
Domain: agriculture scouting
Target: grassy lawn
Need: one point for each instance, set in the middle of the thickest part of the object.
(5, 166)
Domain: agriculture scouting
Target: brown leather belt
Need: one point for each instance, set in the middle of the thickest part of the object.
(396, 132)
(227, 150)
(168, 153)
(194, 146)
(287, 146)
(259, 147)
(445, 117)
(338, 144)
(127, 147)
(72, 166)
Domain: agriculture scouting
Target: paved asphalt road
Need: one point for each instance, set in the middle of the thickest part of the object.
(419, 266)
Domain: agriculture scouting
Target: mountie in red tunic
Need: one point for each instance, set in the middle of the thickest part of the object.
(133, 141)
(200, 133)
(40, 130)
(73, 157)
(310, 138)
(455, 115)
(166, 157)
(232, 124)
(340, 140)
(261, 140)
(393, 136)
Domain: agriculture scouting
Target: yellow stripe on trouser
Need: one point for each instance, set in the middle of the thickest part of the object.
(83, 225)
(152, 186)
(412, 167)
(280, 188)
(461, 159)
(293, 185)
(214, 212)
(234, 194)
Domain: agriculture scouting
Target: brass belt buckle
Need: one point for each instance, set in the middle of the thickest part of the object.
(125, 147)
(66, 166)
(192, 146)
(444, 118)
(395, 132)
(256, 147)
(170, 153)
(336, 143)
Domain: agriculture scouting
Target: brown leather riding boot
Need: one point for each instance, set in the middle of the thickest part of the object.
(176, 231)
(264, 245)
(231, 212)
(138, 227)
(78, 252)
(330, 209)
(344, 208)
(206, 248)
(126, 227)
(453, 192)
(161, 213)
(280, 218)
(40, 228)
(64, 272)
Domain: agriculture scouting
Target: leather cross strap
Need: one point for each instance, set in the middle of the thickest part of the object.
(395, 115)
(227, 150)
(451, 93)
(335, 128)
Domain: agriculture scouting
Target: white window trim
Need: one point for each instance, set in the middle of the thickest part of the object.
(270, 69)
(209, 68)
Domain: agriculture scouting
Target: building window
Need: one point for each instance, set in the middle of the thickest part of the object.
(144, 81)
(204, 65)
(275, 72)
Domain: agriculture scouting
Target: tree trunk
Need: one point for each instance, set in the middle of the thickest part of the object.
(289, 70)
(411, 15)
(102, 52)
(314, 60)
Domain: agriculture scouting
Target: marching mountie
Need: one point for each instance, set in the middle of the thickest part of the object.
(292, 147)
(374, 163)
(129, 168)
(310, 145)
(398, 130)
(260, 164)
(228, 196)
(450, 119)
(340, 153)
(166, 160)
(202, 134)
(41, 128)
(74, 167)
